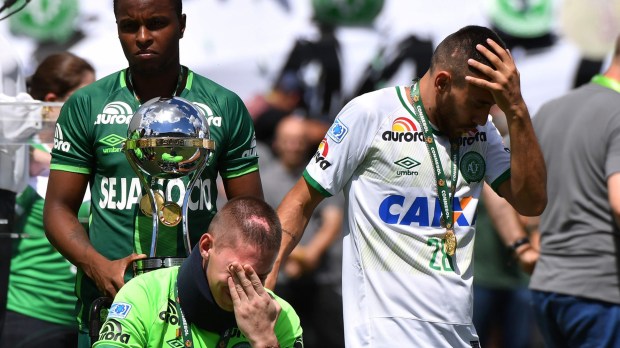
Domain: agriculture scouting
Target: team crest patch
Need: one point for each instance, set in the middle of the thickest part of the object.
(472, 167)
(119, 310)
(337, 131)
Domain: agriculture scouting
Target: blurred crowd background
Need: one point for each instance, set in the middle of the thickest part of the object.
(245, 44)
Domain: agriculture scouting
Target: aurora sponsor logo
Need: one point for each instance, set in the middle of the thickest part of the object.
(212, 120)
(472, 137)
(119, 310)
(321, 154)
(407, 163)
(59, 141)
(421, 211)
(299, 342)
(403, 129)
(125, 193)
(112, 330)
(116, 112)
(170, 315)
(252, 151)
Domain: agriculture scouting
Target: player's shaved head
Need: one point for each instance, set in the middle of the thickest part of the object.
(454, 51)
(247, 220)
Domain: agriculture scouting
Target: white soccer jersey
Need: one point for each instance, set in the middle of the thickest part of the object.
(399, 286)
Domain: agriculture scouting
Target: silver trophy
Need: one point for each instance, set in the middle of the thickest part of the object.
(168, 138)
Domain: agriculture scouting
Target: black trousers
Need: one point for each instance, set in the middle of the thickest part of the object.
(7, 220)
(22, 331)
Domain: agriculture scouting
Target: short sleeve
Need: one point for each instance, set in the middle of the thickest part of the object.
(240, 156)
(612, 162)
(343, 148)
(125, 326)
(288, 327)
(497, 158)
(73, 150)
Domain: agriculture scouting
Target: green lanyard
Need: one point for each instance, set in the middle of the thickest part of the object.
(186, 330)
(185, 327)
(445, 194)
(607, 82)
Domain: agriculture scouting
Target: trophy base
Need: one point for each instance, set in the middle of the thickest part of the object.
(152, 263)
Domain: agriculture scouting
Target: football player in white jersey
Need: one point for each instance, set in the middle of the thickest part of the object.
(412, 161)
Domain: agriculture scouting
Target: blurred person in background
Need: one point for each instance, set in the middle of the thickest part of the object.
(41, 299)
(505, 254)
(310, 279)
(17, 125)
(268, 109)
(576, 282)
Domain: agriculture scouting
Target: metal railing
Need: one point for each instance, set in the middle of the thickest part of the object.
(41, 125)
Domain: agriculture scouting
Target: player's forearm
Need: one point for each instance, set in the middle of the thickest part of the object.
(503, 216)
(68, 236)
(527, 166)
(613, 189)
(294, 212)
(293, 224)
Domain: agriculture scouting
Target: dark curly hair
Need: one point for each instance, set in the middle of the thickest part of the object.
(454, 51)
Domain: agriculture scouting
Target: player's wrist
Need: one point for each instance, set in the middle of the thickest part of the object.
(267, 342)
(519, 246)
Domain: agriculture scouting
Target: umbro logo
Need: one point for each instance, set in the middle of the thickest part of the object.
(112, 141)
(407, 163)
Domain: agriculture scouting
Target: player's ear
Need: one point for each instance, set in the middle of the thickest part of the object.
(442, 81)
(50, 97)
(205, 245)
(182, 24)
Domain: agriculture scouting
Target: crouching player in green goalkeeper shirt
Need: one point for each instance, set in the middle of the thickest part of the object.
(216, 298)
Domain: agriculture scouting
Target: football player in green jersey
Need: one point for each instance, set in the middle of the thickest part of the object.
(41, 297)
(216, 298)
(88, 149)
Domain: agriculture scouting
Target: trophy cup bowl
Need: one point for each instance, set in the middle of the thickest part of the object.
(167, 138)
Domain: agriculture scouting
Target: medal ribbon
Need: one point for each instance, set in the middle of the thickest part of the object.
(185, 327)
(445, 194)
(186, 330)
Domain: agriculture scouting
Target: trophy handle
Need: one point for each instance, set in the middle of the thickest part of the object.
(188, 192)
(146, 185)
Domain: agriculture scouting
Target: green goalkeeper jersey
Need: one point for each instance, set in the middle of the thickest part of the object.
(88, 139)
(144, 314)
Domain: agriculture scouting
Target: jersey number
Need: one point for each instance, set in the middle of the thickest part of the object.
(439, 250)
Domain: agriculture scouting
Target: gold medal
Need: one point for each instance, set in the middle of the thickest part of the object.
(170, 214)
(450, 242)
(145, 203)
